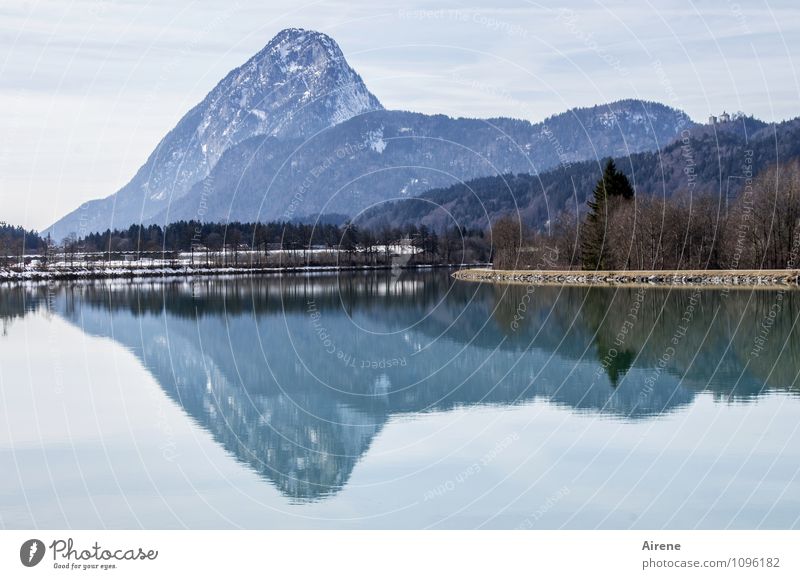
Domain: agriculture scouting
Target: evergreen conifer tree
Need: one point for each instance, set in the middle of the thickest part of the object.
(613, 184)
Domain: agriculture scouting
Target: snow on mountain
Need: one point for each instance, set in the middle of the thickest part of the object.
(296, 86)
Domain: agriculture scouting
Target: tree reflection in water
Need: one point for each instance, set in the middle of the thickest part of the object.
(295, 375)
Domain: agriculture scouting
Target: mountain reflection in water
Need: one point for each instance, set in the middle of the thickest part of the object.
(295, 375)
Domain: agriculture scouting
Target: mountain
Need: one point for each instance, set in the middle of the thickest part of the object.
(297, 85)
(385, 155)
(294, 132)
(710, 160)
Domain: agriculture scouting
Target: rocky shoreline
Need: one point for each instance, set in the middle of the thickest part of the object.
(711, 278)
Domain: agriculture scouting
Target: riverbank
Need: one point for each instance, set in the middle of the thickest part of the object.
(80, 273)
(710, 278)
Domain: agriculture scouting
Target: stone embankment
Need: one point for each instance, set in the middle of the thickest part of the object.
(713, 278)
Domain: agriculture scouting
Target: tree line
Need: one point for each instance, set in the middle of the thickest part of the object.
(619, 230)
(15, 240)
(237, 239)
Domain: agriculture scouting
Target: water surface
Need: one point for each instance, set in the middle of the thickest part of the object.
(397, 401)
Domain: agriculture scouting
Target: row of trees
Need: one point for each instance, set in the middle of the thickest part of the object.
(186, 236)
(624, 231)
(15, 242)
(230, 240)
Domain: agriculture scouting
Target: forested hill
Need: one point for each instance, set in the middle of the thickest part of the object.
(706, 161)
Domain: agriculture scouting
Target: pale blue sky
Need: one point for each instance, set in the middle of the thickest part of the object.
(88, 87)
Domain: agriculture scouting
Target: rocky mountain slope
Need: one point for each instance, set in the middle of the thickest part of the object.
(388, 155)
(297, 85)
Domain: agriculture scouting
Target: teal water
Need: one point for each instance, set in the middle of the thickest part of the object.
(397, 401)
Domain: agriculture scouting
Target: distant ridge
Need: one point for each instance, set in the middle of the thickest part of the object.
(721, 157)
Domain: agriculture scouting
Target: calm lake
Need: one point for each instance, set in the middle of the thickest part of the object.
(397, 400)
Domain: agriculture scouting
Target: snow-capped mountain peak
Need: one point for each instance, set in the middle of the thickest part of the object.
(297, 85)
